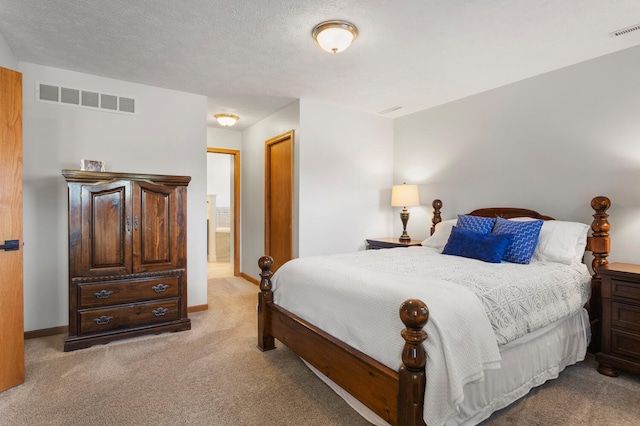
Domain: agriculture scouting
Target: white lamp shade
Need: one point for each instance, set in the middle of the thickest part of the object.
(334, 36)
(404, 195)
(226, 119)
(335, 39)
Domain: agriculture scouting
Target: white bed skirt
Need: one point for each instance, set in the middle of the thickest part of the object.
(526, 363)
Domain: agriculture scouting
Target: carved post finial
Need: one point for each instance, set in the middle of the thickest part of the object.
(265, 263)
(437, 205)
(414, 315)
(600, 227)
(265, 297)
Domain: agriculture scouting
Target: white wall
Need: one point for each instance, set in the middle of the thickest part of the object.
(550, 143)
(342, 179)
(346, 172)
(7, 58)
(252, 182)
(167, 136)
(219, 174)
(224, 138)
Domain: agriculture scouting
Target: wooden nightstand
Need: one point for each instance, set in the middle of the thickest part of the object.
(620, 319)
(385, 243)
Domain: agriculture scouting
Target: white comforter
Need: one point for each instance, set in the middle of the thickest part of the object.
(473, 306)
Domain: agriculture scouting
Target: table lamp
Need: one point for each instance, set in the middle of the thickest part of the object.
(404, 196)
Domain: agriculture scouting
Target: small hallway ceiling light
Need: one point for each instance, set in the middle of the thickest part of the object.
(226, 119)
(334, 36)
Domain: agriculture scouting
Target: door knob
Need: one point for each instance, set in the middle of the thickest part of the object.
(10, 245)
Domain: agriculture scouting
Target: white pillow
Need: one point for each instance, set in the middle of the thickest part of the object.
(560, 241)
(441, 234)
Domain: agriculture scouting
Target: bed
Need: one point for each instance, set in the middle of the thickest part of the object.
(432, 345)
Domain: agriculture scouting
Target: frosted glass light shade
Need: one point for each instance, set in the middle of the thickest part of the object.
(404, 195)
(226, 119)
(334, 36)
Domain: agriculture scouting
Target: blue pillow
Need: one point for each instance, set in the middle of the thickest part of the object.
(475, 223)
(525, 238)
(476, 245)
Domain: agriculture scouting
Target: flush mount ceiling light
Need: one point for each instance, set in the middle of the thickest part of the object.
(334, 36)
(226, 119)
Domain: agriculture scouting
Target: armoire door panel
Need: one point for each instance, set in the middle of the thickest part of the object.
(106, 224)
(152, 232)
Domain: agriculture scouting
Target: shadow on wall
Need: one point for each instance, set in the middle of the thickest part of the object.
(46, 256)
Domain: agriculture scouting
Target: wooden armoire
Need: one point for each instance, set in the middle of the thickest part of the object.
(127, 256)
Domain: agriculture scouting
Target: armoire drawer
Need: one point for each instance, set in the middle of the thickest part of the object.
(127, 291)
(128, 316)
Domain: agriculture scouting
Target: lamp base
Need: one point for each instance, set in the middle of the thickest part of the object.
(404, 217)
(404, 238)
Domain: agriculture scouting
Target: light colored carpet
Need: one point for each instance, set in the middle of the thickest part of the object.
(215, 375)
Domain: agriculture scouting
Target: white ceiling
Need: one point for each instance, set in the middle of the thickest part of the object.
(251, 58)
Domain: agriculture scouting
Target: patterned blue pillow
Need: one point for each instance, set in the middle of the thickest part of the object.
(525, 238)
(475, 223)
(476, 245)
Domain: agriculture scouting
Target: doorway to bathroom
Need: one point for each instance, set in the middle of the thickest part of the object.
(223, 212)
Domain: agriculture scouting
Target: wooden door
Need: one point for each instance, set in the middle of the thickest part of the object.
(11, 285)
(278, 225)
(105, 210)
(154, 216)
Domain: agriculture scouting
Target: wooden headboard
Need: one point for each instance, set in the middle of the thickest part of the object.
(597, 243)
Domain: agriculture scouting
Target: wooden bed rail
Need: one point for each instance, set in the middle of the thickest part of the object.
(396, 396)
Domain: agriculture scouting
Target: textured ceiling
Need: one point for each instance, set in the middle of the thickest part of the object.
(252, 58)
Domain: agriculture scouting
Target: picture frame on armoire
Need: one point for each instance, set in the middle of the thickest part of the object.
(92, 165)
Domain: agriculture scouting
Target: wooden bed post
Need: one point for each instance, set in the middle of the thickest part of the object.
(600, 237)
(437, 205)
(598, 244)
(265, 339)
(412, 377)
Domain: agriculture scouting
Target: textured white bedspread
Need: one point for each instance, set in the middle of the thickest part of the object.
(356, 297)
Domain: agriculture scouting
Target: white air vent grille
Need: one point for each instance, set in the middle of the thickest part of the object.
(388, 110)
(624, 31)
(87, 99)
(49, 93)
(70, 96)
(90, 99)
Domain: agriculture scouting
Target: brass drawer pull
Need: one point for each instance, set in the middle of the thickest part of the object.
(160, 311)
(102, 320)
(103, 294)
(160, 288)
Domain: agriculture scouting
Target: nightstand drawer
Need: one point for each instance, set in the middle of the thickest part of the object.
(625, 344)
(625, 316)
(627, 290)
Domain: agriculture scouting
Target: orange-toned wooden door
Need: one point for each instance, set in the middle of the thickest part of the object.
(278, 225)
(11, 285)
